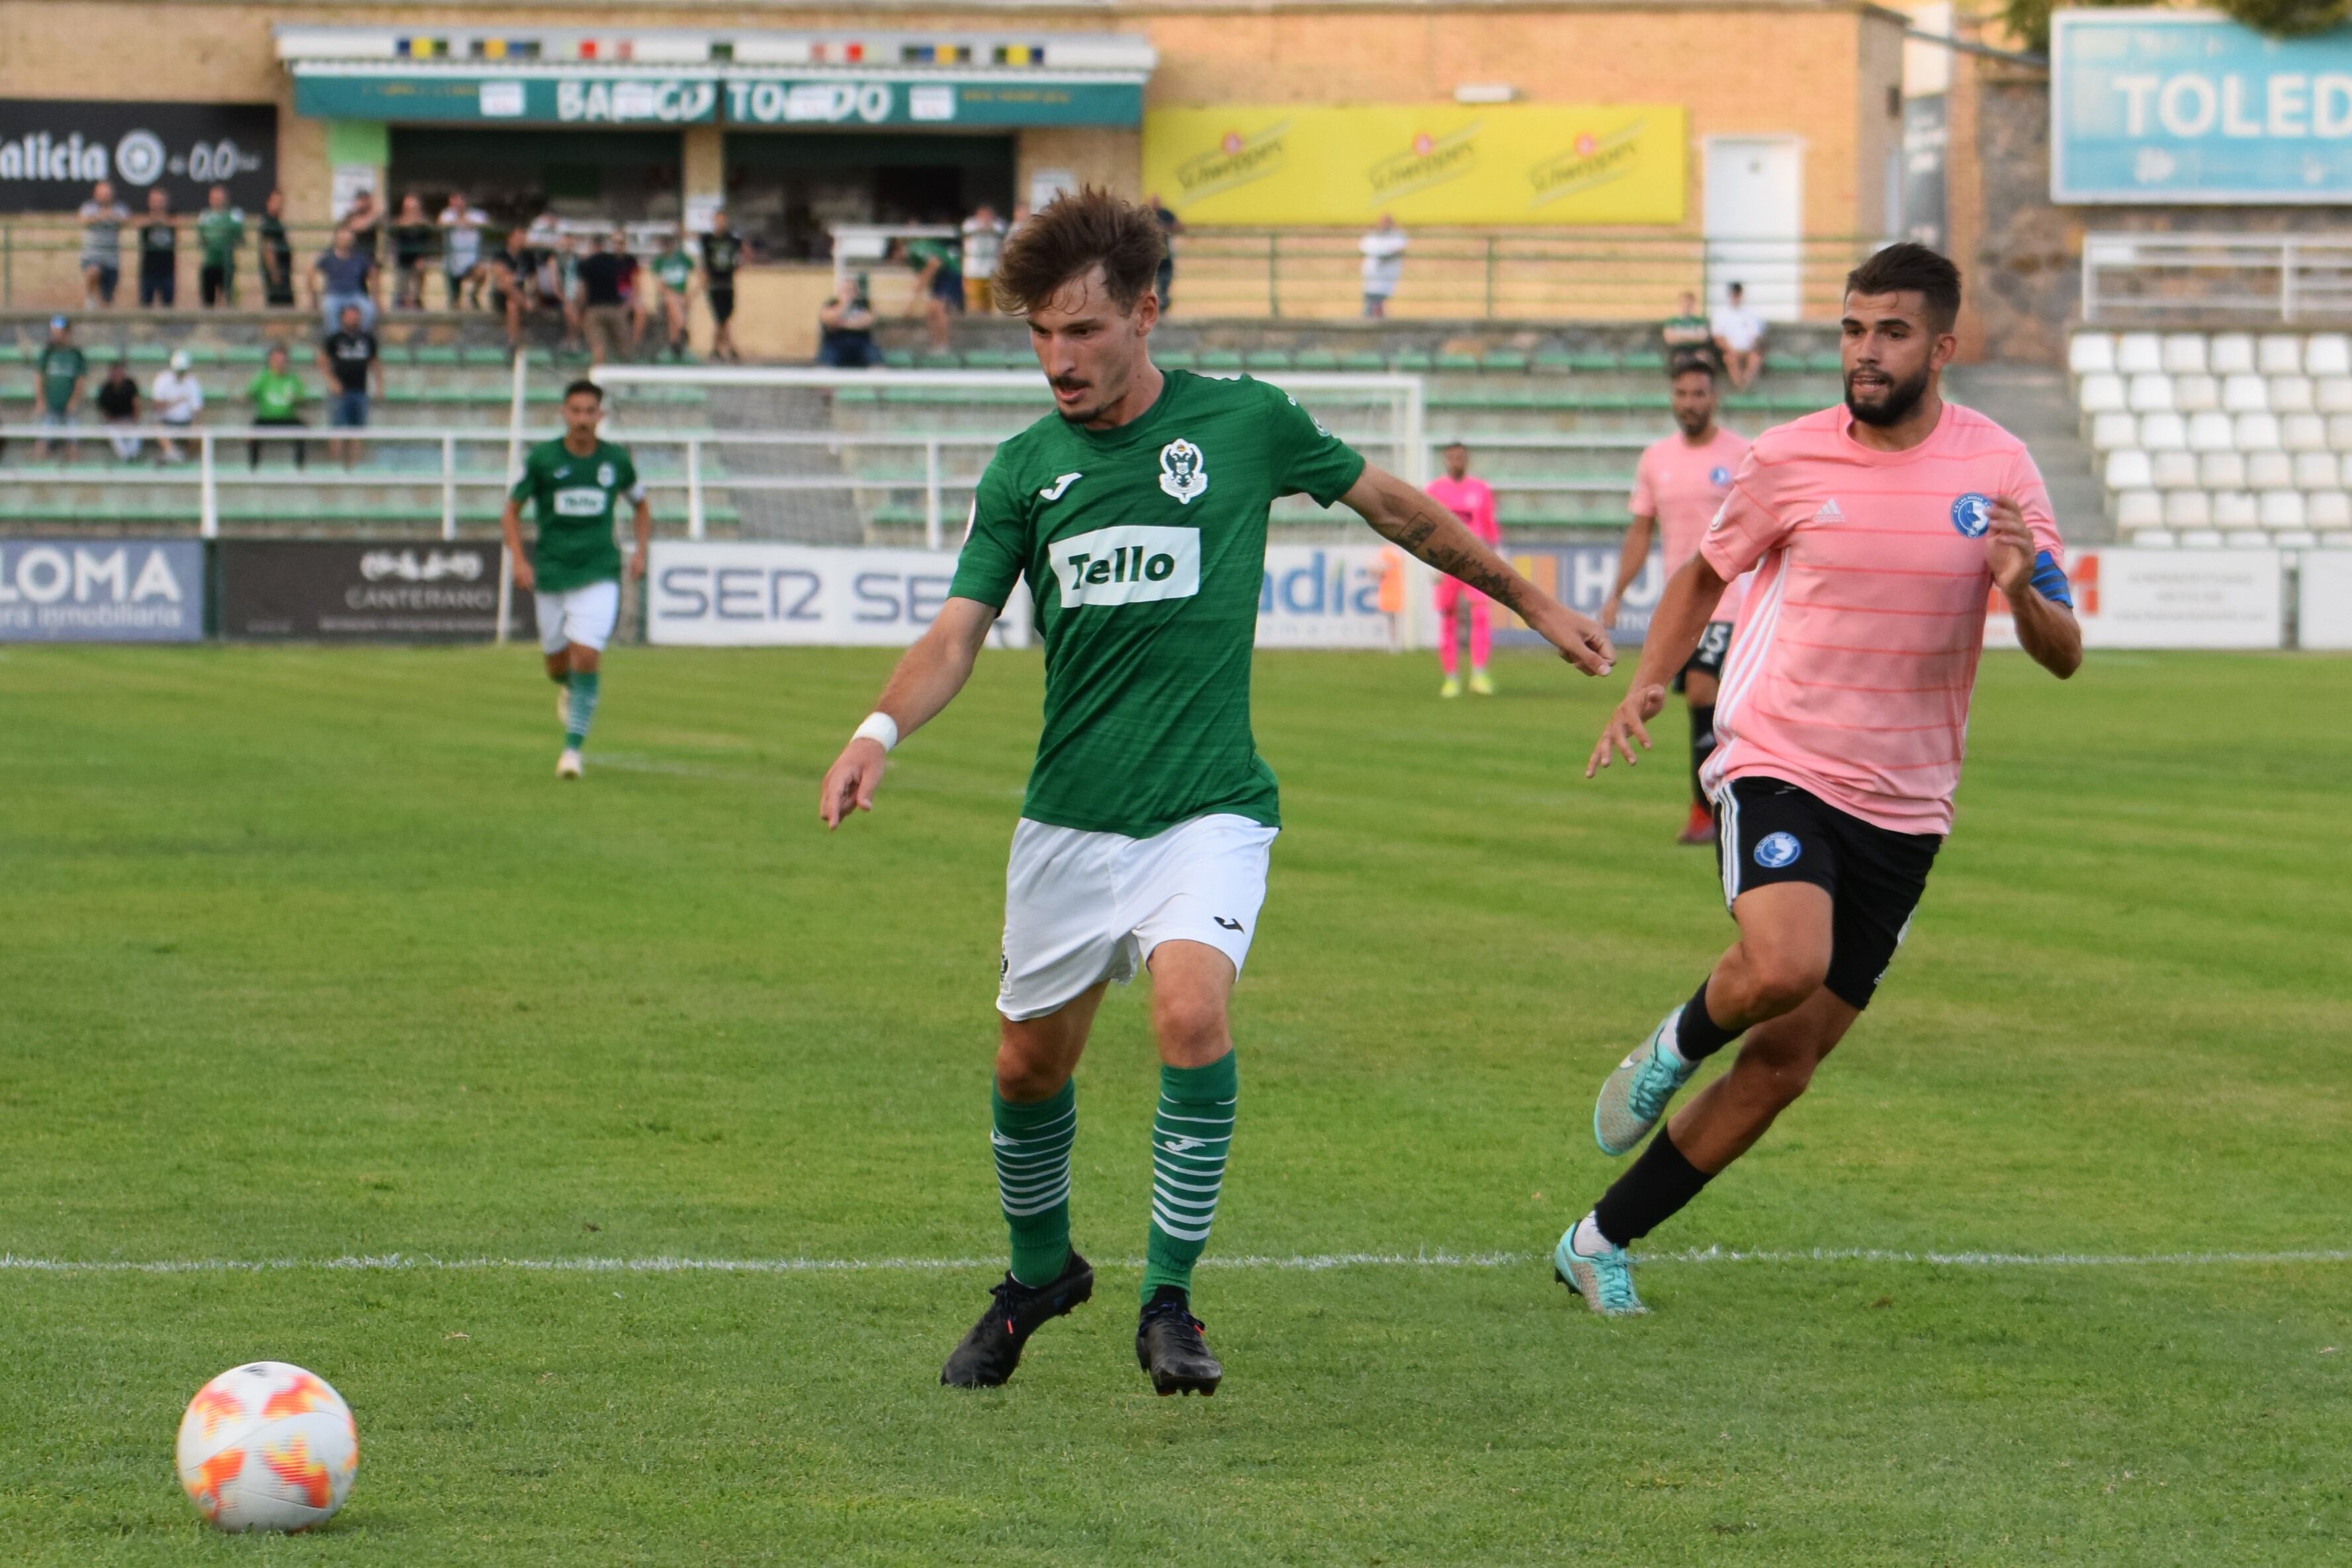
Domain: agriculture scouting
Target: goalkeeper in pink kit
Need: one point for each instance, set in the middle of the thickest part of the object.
(1473, 503)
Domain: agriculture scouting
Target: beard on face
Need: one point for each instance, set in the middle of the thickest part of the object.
(1694, 420)
(1901, 397)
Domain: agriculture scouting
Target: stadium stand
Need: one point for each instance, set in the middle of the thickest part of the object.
(2218, 438)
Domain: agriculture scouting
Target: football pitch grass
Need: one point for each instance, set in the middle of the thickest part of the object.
(306, 957)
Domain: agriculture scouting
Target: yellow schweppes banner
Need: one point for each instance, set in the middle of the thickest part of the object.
(1428, 164)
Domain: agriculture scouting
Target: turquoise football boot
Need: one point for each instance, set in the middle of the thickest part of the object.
(1604, 1279)
(1633, 1097)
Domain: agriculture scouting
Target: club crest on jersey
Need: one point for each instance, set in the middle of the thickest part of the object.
(604, 475)
(1775, 850)
(1719, 476)
(1183, 472)
(1972, 514)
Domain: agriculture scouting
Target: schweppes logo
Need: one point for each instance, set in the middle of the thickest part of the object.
(1238, 160)
(1429, 160)
(1592, 161)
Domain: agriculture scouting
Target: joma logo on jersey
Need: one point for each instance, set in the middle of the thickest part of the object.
(579, 500)
(1128, 565)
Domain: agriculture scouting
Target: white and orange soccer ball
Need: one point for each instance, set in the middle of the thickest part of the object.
(267, 1446)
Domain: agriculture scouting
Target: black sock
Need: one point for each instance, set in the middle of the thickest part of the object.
(1696, 1034)
(1701, 721)
(1657, 1185)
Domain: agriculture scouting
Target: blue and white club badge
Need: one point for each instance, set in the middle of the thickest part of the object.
(1972, 514)
(1183, 472)
(1775, 850)
(1719, 476)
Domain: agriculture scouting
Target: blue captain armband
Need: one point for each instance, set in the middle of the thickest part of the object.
(2050, 580)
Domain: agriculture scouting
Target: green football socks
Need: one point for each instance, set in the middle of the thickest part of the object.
(1190, 1138)
(1032, 1143)
(583, 687)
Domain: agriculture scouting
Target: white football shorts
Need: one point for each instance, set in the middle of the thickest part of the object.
(585, 615)
(1085, 907)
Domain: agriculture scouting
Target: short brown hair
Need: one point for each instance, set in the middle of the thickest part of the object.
(1909, 269)
(1075, 233)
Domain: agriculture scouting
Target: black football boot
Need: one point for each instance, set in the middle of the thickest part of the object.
(1168, 1346)
(988, 1354)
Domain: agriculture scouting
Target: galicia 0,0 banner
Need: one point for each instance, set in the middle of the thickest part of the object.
(53, 150)
(1287, 164)
(390, 591)
(101, 590)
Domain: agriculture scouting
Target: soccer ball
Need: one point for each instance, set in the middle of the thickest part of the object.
(268, 1445)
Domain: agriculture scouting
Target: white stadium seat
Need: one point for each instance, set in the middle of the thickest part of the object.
(2236, 508)
(2257, 433)
(2139, 353)
(2222, 471)
(2315, 470)
(2163, 432)
(2339, 431)
(2328, 353)
(2333, 393)
(2189, 509)
(2327, 508)
(2150, 393)
(2281, 509)
(2200, 539)
(2291, 395)
(2128, 469)
(2301, 433)
(2153, 539)
(2090, 354)
(2139, 508)
(2109, 431)
(2193, 394)
(2230, 353)
(2210, 433)
(2294, 539)
(2174, 470)
(2270, 471)
(2184, 353)
(2101, 393)
(2252, 539)
(2346, 473)
(2245, 393)
(2279, 355)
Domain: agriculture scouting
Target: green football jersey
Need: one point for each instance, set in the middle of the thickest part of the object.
(1145, 550)
(674, 269)
(573, 500)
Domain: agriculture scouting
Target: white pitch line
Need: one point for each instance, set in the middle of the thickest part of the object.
(1305, 1262)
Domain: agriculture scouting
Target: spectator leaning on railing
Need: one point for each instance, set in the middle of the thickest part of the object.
(277, 253)
(159, 253)
(220, 232)
(723, 253)
(102, 218)
(177, 397)
(1383, 252)
(413, 235)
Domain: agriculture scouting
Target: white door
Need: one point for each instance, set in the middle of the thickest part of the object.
(1756, 222)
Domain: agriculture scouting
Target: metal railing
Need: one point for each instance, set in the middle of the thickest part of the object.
(1512, 274)
(2284, 277)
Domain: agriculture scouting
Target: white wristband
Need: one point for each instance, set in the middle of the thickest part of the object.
(881, 727)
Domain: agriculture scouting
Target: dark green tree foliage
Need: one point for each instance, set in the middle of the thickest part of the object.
(2028, 20)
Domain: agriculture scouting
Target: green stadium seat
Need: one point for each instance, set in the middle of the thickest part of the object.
(1363, 360)
(998, 359)
(1503, 359)
(141, 353)
(1414, 361)
(1267, 359)
(1591, 359)
(483, 356)
(1220, 358)
(932, 360)
(246, 354)
(897, 359)
(435, 353)
(1553, 361)
(1829, 362)
(1177, 359)
(1315, 359)
(1457, 364)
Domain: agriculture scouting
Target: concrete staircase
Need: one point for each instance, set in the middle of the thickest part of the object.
(2036, 405)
